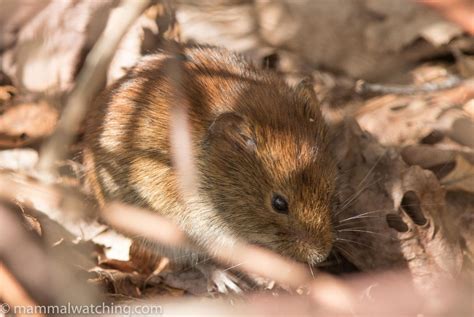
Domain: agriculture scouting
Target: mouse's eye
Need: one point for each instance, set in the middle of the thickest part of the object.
(279, 204)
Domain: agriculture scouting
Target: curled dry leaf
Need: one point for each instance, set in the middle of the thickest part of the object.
(395, 121)
(429, 242)
(426, 156)
(6, 93)
(26, 124)
(461, 177)
(462, 131)
(393, 216)
(404, 120)
(455, 169)
(144, 259)
(122, 266)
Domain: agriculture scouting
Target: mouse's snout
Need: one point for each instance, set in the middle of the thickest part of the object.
(313, 243)
(317, 248)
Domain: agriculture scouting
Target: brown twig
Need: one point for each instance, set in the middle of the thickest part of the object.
(90, 80)
(362, 87)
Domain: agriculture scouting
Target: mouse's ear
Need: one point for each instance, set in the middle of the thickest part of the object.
(305, 89)
(231, 128)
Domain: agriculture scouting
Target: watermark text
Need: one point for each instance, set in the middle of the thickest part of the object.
(72, 309)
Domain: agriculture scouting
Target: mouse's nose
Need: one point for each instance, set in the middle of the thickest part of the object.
(314, 246)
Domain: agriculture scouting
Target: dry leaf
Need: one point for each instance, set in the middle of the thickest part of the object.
(405, 120)
(122, 266)
(26, 123)
(461, 177)
(116, 282)
(462, 131)
(367, 167)
(399, 121)
(117, 246)
(440, 33)
(6, 93)
(384, 36)
(49, 47)
(426, 156)
(18, 159)
(379, 191)
(430, 241)
(144, 258)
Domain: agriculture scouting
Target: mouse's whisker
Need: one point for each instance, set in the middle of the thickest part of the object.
(310, 269)
(348, 241)
(426, 205)
(356, 222)
(364, 231)
(363, 215)
(368, 174)
(357, 225)
(233, 266)
(355, 196)
(346, 252)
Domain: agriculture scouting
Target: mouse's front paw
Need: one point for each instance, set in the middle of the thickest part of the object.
(221, 280)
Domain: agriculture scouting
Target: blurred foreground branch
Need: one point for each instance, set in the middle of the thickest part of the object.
(12, 292)
(250, 259)
(458, 11)
(44, 279)
(90, 80)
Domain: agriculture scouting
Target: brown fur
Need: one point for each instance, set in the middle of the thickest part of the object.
(252, 135)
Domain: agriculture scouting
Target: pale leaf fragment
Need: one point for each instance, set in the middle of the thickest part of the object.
(461, 177)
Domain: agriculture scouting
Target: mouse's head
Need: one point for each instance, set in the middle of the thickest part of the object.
(269, 173)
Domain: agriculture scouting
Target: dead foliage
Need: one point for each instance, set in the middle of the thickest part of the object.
(397, 88)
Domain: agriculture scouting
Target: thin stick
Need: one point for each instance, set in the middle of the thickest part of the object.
(90, 80)
(362, 87)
